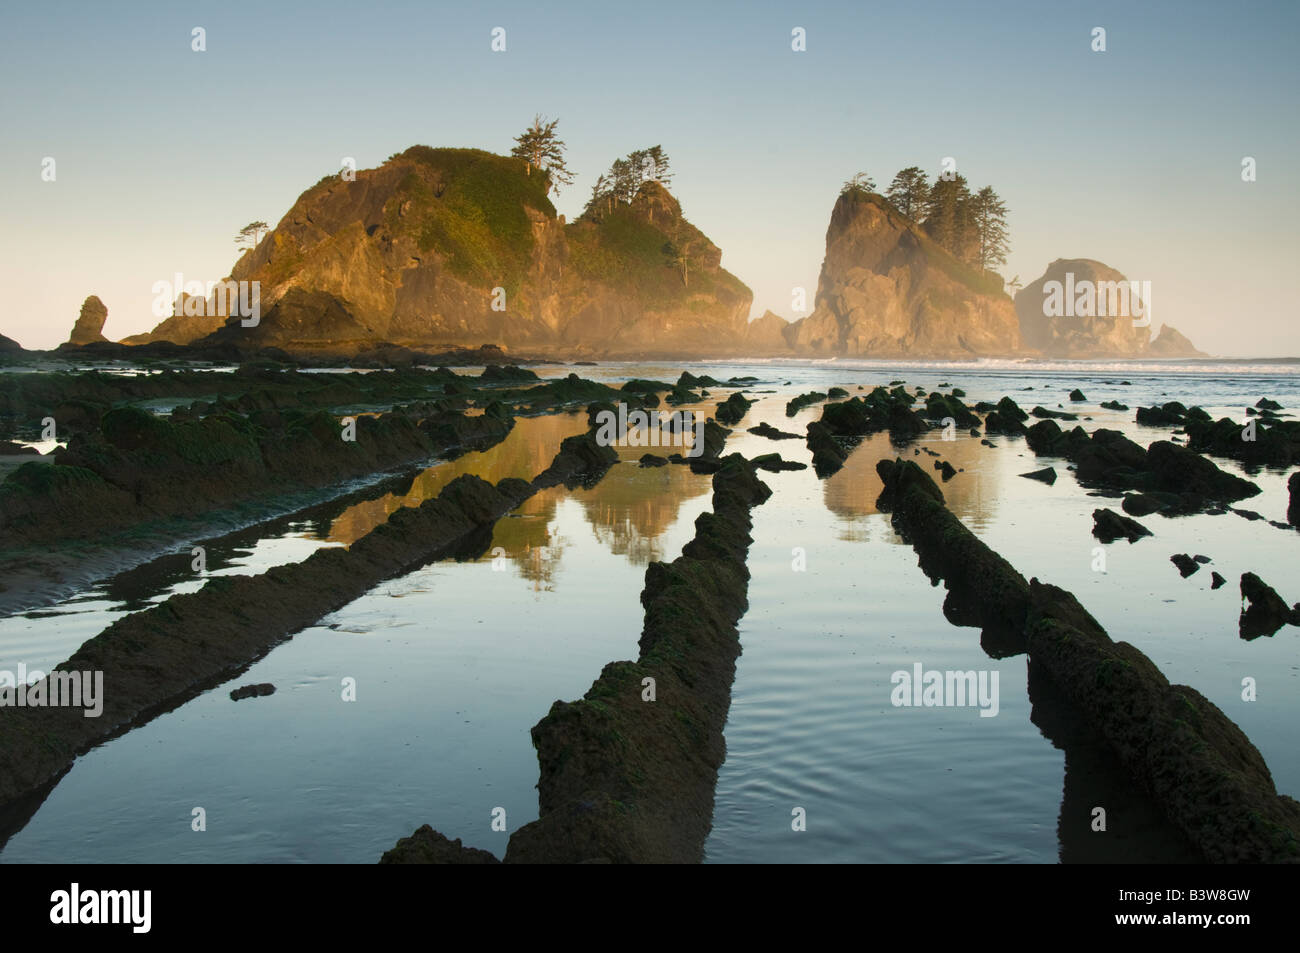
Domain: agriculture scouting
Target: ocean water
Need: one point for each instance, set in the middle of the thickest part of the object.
(456, 661)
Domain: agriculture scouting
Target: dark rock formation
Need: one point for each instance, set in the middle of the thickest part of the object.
(796, 404)
(1109, 526)
(771, 433)
(427, 846)
(731, 410)
(827, 453)
(1194, 761)
(1293, 506)
(133, 466)
(1185, 563)
(252, 691)
(1265, 610)
(773, 463)
(1108, 458)
(193, 639)
(629, 780)
(1262, 442)
(1046, 475)
(1042, 413)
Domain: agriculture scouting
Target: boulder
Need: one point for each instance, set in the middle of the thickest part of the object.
(1109, 526)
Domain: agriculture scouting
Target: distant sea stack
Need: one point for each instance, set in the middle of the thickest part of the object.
(768, 336)
(192, 318)
(887, 290)
(1081, 308)
(1170, 342)
(441, 248)
(89, 328)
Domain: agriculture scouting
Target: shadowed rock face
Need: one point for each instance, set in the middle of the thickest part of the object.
(9, 346)
(89, 328)
(458, 247)
(887, 290)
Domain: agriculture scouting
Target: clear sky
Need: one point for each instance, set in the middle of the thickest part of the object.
(1131, 156)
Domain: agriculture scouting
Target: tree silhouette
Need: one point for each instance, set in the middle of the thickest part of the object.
(860, 184)
(542, 149)
(251, 234)
(681, 248)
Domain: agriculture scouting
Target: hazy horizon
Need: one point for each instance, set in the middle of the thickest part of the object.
(1131, 157)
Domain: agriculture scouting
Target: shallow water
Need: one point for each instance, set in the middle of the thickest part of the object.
(456, 661)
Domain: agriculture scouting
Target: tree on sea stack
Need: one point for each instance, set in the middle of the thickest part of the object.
(860, 184)
(989, 215)
(948, 217)
(908, 193)
(680, 249)
(251, 234)
(541, 148)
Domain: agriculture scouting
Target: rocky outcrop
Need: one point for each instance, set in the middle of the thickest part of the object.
(887, 290)
(1263, 610)
(1208, 778)
(460, 247)
(201, 638)
(427, 846)
(768, 336)
(1170, 342)
(1081, 308)
(1109, 526)
(10, 346)
(193, 317)
(628, 772)
(89, 328)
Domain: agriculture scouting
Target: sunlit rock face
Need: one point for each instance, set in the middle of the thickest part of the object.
(887, 290)
(441, 248)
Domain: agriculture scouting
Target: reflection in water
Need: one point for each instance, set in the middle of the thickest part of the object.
(525, 452)
(1136, 831)
(632, 507)
(629, 511)
(852, 492)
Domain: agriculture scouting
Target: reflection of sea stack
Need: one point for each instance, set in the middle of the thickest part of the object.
(851, 493)
(89, 328)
